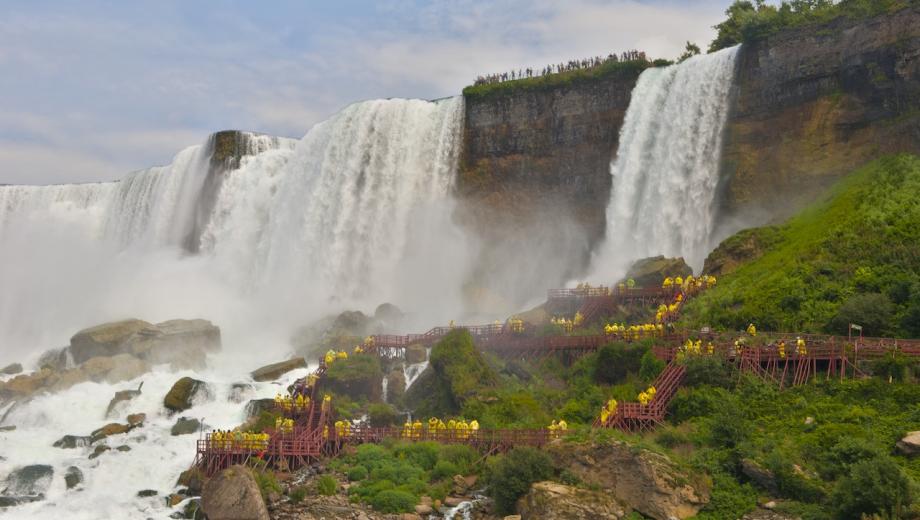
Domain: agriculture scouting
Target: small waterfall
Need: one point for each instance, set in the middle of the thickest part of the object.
(666, 171)
(383, 387)
(412, 372)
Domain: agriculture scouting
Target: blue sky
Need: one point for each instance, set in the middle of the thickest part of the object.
(92, 90)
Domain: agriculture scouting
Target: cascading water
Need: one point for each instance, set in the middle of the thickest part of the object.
(666, 171)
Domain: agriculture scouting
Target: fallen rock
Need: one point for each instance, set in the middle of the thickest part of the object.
(73, 477)
(123, 448)
(647, 482)
(11, 369)
(276, 370)
(759, 475)
(910, 444)
(144, 493)
(180, 396)
(388, 315)
(423, 510)
(185, 426)
(108, 430)
(25, 385)
(105, 340)
(650, 272)
(121, 397)
(73, 441)
(112, 369)
(552, 501)
(453, 501)
(137, 419)
(233, 495)
(174, 499)
(26, 484)
(416, 353)
(102, 448)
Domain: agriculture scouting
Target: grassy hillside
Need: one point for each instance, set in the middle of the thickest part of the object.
(851, 258)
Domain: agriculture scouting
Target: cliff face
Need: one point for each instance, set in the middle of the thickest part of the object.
(813, 104)
(535, 173)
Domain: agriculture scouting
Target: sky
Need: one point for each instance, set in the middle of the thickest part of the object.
(93, 90)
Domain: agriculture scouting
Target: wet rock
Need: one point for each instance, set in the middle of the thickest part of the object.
(108, 430)
(102, 448)
(105, 340)
(26, 484)
(73, 477)
(233, 494)
(137, 419)
(7, 428)
(185, 426)
(423, 510)
(73, 441)
(416, 354)
(123, 448)
(183, 392)
(25, 385)
(145, 493)
(174, 499)
(396, 385)
(121, 397)
(193, 480)
(183, 344)
(276, 370)
(192, 508)
(650, 272)
(239, 392)
(11, 370)
(910, 444)
(453, 501)
(388, 316)
(552, 501)
(55, 359)
(112, 369)
(255, 407)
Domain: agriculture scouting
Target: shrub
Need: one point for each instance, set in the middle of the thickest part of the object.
(616, 360)
(873, 311)
(267, 482)
(298, 494)
(509, 476)
(326, 485)
(873, 486)
(895, 366)
(394, 501)
(382, 415)
(460, 455)
(707, 370)
(357, 473)
(422, 454)
(444, 469)
(650, 366)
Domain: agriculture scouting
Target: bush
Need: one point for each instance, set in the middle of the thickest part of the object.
(444, 469)
(650, 366)
(382, 415)
(326, 485)
(298, 494)
(874, 486)
(357, 473)
(460, 455)
(895, 366)
(707, 370)
(267, 482)
(617, 360)
(873, 311)
(422, 454)
(509, 476)
(394, 501)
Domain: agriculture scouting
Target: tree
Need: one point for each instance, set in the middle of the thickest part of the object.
(873, 486)
(690, 51)
(510, 475)
(873, 311)
(729, 31)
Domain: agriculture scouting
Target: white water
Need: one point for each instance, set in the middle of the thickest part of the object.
(666, 172)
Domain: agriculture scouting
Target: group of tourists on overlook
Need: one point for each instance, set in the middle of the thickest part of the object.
(435, 428)
(239, 440)
(556, 68)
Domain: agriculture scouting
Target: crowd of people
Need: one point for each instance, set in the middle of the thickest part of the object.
(689, 283)
(292, 404)
(566, 324)
(239, 440)
(435, 428)
(647, 396)
(331, 356)
(557, 428)
(556, 68)
(608, 410)
(645, 330)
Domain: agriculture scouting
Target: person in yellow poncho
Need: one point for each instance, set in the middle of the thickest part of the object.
(417, 429)
(800, 346)
(752, 330)
(474, 427)
(358, 350)
(643, 398)
(668, 283)
(678, 281)
(578, 319)
(341, 355)
(407, 430)
(329, 358)
(710, 348)
(781, 349)
(463, 429)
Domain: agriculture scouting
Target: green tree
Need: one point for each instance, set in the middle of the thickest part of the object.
(509, 476)
(873, 311)
(690, 51)
(874, 486)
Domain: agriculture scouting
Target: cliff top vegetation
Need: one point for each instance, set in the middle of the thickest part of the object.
(748, 21)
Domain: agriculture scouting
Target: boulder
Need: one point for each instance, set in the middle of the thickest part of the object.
(388, 314)
(255, 407)
(183, 344)
(193, 480)
(759, 475)
(107, 339)
(185, 426)
(650, 272)
(73, 477)
(9, 428)
(358, 377)
(26, 484)
(239, 392)
(552, 501)
(120, 397)
(102, 448)
(55, 359)
(136, 419)
(647, 482)
(109, 430)
(121, 367)
(416, 354)
(123, 448)
(11, 370)
(233, 495)
(145, 493)
(183, 392)
(25, 385)
(73, 441)
(276, 370)
(910, 444)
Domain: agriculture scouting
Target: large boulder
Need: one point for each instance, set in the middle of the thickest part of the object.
(185, 426)
(233, 495)
(183, 392)
(553, 501)
(26, 484)
(759, 475)
(107, 339)
(11, 369)
(255, 407)
(25, 385)
(650, 272)
(111, 369)
(183, 344)
(910, 444)
(276, 370)
(648, 482)
(122, 396)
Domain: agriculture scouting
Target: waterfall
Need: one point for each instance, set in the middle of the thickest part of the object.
(666, 171)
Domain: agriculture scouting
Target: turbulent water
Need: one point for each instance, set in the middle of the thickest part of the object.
(666, 171)
(354, 214)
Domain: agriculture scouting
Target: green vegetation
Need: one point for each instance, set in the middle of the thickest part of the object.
(509, 476)
(267, 482)
(854, 258)
(625, 69)
(298, 494)
(357, 377)
(326, 485)
(382, 415)
(749, 21)
(392, 477)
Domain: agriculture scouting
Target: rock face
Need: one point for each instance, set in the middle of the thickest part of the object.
(233, 495)
(181, 343)
(742, 247)
(11, 370)
(815, 103)
(396, 385)
(650, 272)
(910, 444)
(648, 482)
(276, 370)
(104, 340)
(552, 501)
(180, 396)
(26, 484)
(535, 169)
